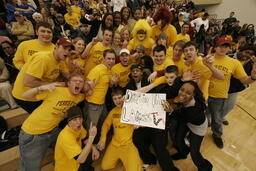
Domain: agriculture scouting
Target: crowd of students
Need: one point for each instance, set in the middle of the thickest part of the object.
(68, 64)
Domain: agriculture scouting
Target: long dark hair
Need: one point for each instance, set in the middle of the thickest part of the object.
(198, 95)
(104, 24)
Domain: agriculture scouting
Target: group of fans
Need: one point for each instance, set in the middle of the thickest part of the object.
(75, 59)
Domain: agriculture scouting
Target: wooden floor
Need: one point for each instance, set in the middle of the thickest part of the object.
(239, 152)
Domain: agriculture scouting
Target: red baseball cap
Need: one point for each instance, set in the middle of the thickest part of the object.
(223, 41)
(65, 42)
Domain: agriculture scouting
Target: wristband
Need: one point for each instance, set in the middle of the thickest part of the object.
(91, 136)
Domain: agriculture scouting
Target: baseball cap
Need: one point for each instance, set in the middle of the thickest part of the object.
(136, 66)
(223, 41)
(65, 42)
(74, 112)
(124, 51)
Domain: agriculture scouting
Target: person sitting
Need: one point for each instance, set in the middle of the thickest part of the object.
(5, 86)
(23, 28)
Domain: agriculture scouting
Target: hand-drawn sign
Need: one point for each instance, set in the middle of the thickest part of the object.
(144, 109)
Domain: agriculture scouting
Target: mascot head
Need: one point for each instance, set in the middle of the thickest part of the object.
(141, 30)
(162, 16)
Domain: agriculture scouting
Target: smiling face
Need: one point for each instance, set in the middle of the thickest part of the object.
(44, 35)
(117, 19)
(186, 93)
(76, 123)
(79, 46)
(159, 57)
(117, 39)
(118, 100)
(190, 53)
(109, 21)
(75, 85)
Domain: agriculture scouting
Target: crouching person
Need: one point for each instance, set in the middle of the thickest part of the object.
(121, 146)
(68, 150)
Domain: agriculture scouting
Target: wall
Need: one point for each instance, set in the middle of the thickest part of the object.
(245, 10)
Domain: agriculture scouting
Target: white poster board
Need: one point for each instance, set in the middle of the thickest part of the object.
(144, 109)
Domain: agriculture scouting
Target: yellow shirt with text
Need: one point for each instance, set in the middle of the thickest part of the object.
(68, 146)
(28, 48)
(53, 110)
(122, 72)
(41, 65)
(230, 67)
(147, 44)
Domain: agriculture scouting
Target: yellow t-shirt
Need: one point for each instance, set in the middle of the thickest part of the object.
(53, 110)
(185, 37)
(66, 67)
(26, 49)
(158, 81)
(165, 64)
(122, 131)
(101, 74)
(68, 145)
(230, 67)
(147, 44)
(41, 65)
(95, 57)
(73, 19)
(122, 72)
(169, 53)
(180, 64)
(76, 10)
(170, 31)
(205, 74)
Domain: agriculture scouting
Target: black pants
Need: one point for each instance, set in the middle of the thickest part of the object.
(194, 149)
(27, 105)
(144, 137)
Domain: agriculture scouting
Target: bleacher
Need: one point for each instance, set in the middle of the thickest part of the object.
(10, 158)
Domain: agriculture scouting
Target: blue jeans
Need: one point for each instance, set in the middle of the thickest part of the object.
(217, 109)
(34, 147)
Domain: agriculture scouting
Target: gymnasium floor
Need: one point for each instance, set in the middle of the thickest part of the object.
(239, 152)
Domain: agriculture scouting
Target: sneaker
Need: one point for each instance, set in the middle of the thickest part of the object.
(218, 141)
(225, 122)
